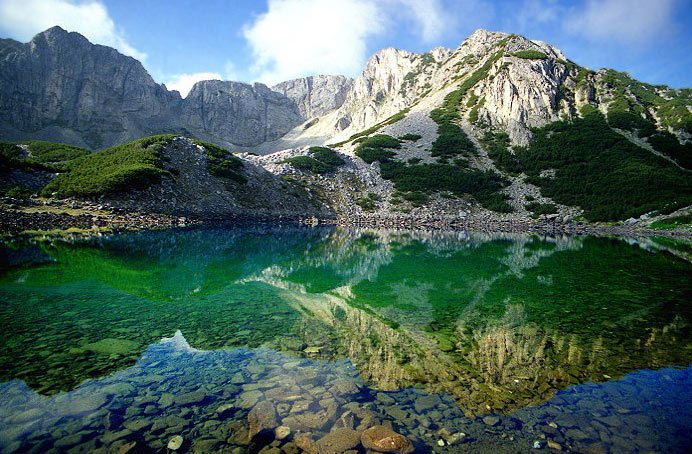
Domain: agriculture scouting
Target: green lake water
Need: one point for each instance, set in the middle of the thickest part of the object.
(425, 330)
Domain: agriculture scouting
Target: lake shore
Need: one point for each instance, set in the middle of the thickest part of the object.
(51, 217)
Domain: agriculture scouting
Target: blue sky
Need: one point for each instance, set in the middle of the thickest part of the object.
(181, 41)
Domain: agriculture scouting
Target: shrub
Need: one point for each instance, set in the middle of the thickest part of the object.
(451, 140)
(425, 178)
(326, 156)
(601, 171)
(18, 192)
(369, 202)
(411, 137)
(666, 143)
(134, 165)
(42, 155)
(221, 162)
(541, 208)
(377, 148)
(306, 163)
(530, 54)
(322, 160)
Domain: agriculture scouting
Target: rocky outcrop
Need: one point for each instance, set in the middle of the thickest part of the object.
(234, 113)
(60, 87)
(316, 95)
(374, 94)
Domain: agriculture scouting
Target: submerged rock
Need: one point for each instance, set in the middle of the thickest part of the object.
(261, 418)
(383, 439)
(338, 440)
(282, 432)
(175, 443)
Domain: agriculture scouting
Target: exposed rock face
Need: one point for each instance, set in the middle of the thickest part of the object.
(316, 95)
(523, 93)
(61, 87)
(370, 97)
(517, 93)
(234, 113)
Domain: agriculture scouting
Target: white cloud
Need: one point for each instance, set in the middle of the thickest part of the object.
(22, 19)
(299, 37)
(295, 38)
(625, 21)
(532, 13)
(428, 14)
(184, 82)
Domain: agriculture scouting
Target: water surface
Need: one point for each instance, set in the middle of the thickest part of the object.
(433, 332)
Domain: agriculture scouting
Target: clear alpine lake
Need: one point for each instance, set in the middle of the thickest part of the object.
(463, 341)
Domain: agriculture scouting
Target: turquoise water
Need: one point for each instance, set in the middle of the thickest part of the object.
(433, 332)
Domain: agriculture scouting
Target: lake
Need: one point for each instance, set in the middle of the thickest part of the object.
(274, 339)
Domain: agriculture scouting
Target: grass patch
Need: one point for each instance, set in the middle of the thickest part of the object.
(373, 129)
(632, 99)
(134, 165)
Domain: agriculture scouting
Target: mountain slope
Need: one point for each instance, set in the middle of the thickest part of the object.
(501, 128)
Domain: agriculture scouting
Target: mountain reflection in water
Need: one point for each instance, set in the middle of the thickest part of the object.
(496, 321)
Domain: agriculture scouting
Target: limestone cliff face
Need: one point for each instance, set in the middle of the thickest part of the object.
(234, 113)
(515, 93)
(61, 87)
(316, 95)
(522, 93)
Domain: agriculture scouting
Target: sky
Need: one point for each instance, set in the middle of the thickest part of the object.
(182, 41)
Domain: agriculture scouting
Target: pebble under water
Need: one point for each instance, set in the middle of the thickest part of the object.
(278, 340)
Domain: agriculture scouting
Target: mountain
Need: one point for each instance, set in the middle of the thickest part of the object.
(61, 87)
(501, 128)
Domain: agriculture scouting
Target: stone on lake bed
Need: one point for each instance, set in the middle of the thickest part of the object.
(175, 443)
(383, 439)
(192, 398)
(426, 402)
(338, 440)
(282, 432)
(225, 408)
(112, 346)
(312, 350)
(554, 445)
(248, 399)
(261, 418)
(491, 420)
